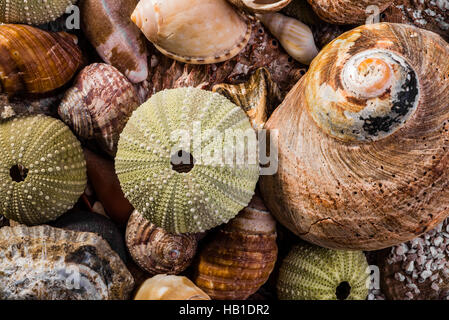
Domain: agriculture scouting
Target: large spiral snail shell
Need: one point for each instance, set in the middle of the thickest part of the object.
(363, 140)
(260, 6)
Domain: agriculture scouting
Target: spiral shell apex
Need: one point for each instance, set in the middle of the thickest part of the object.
(42, 169)
(314, 273)
(178, 164)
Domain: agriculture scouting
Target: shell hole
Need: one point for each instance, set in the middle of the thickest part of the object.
(18, 173)
(182, 161)
(343, 290)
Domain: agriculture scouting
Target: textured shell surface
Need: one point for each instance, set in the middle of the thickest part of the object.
(179, 165)
(36, 61)
(170, 287)
(313, 273)
(42, 169)
(238, 260)
(363, 141)
(157, 251)
(46, 263)
(260, 6)
(193, 31)
(108, 26)
(33, 12)
(99, 104)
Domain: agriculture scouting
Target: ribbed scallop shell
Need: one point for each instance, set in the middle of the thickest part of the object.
(45, 263)
(260, 6)
(34, 12)
(216, 189)
(363, 141)
(42, 169)
(36, 61)
(238, 260)
(207, 31)
(313, 273)
(99, 104)
(157, 251)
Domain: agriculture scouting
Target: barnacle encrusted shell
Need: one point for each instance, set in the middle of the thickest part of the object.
(99, 104)
(313, 273)
(347, 11)
(174, 131)
(193, 31)
(157, 251)
(363, 141)
(32, 12)
(169, 287)
(42, 169)
(46, 263)
(260, 6)
(238, 260)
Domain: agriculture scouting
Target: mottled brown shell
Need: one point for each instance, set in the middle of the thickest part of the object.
(260, 6)
(240, 257)
(36, 61)
(157, 251)
(341, 187)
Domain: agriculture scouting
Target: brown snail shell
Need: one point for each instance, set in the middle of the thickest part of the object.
(239, 259)
(363, 141)
(99, 104)
(157, 251)
(36, 61)
(260, 6)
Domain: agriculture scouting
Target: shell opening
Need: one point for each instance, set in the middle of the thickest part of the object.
(18, 173)
(182, 161)
(343, 290)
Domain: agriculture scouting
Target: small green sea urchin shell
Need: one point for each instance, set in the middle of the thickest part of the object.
(313, 273)
(42, 169)
(195, 196)
(33, 12)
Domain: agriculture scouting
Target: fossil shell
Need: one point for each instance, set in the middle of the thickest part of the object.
(176, 170)
(99, 104)
(296, 38)
(260, 6)
(157, 251)
(313, 273)
(36, 61)
(46, 263)
(116, 38)
(32, 12)
(207, 31)
(238, 260)
(258, 97)
(169, 287)
(42, 169)
(347, 11)
(362, 141)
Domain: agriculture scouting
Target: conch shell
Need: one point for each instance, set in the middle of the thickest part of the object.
(239, 259)
(36, 61)
(193, 31)
(157, 251)
(260, 6)
(363, 141)
(169, 287)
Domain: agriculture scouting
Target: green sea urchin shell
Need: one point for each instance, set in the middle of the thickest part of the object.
(42, 169)
(313, 273)
(33, 12)
(176, 199)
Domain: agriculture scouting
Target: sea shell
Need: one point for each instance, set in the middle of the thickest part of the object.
(45, 263)
(178, 164)
(36, 61)
(295, 37)
(42, 169)
(157, 251)
(363, 140)
(240, 257)
(207, 31)
(347, 11)
(260, 6)
(116, 38)
(169, 287)
(99, 104)
(313, 273)
(32, 12)
(258, 97)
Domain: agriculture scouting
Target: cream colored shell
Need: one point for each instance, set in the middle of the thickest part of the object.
(260, 6)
